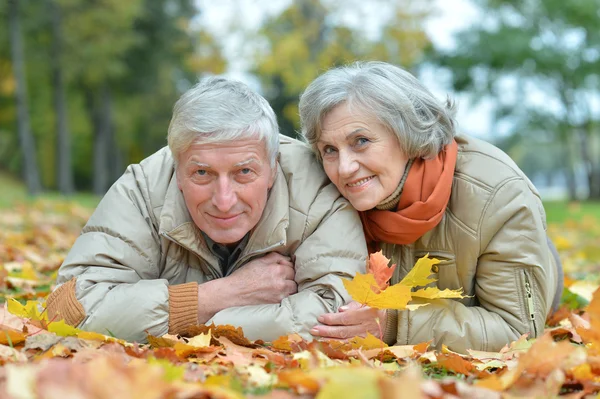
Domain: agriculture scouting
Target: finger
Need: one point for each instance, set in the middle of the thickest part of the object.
(291, 287)
(352, 306)
(338, 332)
(285, 262)
(287, 273)
(277, 257)
(347, 318)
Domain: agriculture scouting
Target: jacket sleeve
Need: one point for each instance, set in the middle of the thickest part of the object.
(109, 281)
(333, 248)
(515, 281)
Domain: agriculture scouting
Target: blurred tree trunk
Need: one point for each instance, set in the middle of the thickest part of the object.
(26, 140)
(568, 164)
(114, 155)
(63, 141)
(590, 149)
(98, 101)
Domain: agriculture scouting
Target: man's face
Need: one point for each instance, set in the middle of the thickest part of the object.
(225, 187)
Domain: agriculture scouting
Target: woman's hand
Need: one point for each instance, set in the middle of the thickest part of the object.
(352, 320)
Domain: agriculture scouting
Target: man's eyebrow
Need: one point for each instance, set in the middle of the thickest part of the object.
(248, 161)
(200, 164)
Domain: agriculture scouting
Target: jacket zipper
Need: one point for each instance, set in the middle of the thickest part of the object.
(243, 259)
(530, 305)
(209, 271)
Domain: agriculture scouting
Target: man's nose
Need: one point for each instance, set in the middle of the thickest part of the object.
(348, 165)
(224, 197)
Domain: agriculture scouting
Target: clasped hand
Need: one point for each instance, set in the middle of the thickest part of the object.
(269, 279)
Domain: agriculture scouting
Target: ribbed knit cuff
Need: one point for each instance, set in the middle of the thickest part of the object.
(183, 307)
(391, 327)
(62, 304)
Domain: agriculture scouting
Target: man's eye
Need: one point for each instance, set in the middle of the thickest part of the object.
(245, 171)
(362, 140)
(201, 172)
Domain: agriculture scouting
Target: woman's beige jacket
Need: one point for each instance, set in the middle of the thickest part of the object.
(492, 242)
(136, 267)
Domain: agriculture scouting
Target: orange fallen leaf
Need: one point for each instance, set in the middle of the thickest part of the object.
(378, 267)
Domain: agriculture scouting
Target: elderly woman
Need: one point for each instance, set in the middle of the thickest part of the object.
(391, 149)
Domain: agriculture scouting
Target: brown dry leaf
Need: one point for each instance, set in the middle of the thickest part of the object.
(234, 334)
(545, 355)
(161, 342)
(455, 363)
(301, 382)
(332, 351)
(289, 343)
(556, 317)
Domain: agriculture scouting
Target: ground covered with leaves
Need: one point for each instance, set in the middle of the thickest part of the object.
(44, 358)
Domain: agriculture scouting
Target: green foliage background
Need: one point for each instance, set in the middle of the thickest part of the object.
(145, 53)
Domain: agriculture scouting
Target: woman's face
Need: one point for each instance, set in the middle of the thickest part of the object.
(361, 157)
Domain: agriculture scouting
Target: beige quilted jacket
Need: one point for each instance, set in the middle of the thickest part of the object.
(137, 264)
(492, 242)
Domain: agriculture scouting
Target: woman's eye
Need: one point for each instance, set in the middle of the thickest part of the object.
(362, 140)
(328, 150)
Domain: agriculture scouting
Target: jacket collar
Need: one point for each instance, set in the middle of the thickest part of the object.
(269, 233)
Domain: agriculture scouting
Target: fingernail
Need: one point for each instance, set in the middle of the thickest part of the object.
(320, 319)
(343, 308)
(314, 331)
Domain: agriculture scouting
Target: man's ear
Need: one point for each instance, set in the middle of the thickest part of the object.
(274, 171)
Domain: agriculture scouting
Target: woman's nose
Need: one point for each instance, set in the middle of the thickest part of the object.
(348, 165)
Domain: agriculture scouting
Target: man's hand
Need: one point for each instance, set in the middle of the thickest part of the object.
(352, 320)
(269, 279)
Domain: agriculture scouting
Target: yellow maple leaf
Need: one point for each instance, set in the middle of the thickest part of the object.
(419, 274)
(200, 340)
(435, 293)
(29, 311)
(361, 289)
(365, 289)
(63, 329)
(368, 342)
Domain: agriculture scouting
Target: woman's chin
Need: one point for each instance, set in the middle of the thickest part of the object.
(362, 205)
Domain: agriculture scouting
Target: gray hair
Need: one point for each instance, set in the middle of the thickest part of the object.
(392, 95)
(220, 110)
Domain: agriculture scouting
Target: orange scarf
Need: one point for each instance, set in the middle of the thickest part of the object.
(422, 203)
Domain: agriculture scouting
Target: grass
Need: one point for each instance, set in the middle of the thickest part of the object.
(13, 191)
(561, 211)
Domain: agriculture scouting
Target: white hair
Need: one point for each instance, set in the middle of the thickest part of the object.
(220, 110)
(392, 95)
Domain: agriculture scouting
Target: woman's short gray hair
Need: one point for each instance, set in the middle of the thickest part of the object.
(396, 98)
(220, 110)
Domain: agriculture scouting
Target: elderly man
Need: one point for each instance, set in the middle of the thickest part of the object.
(232, 224)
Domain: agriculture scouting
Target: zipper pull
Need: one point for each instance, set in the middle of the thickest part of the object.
(529, 300)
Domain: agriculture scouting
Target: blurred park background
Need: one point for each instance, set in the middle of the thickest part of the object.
(87, 87)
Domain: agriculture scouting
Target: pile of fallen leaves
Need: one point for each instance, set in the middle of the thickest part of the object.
(47, 358)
